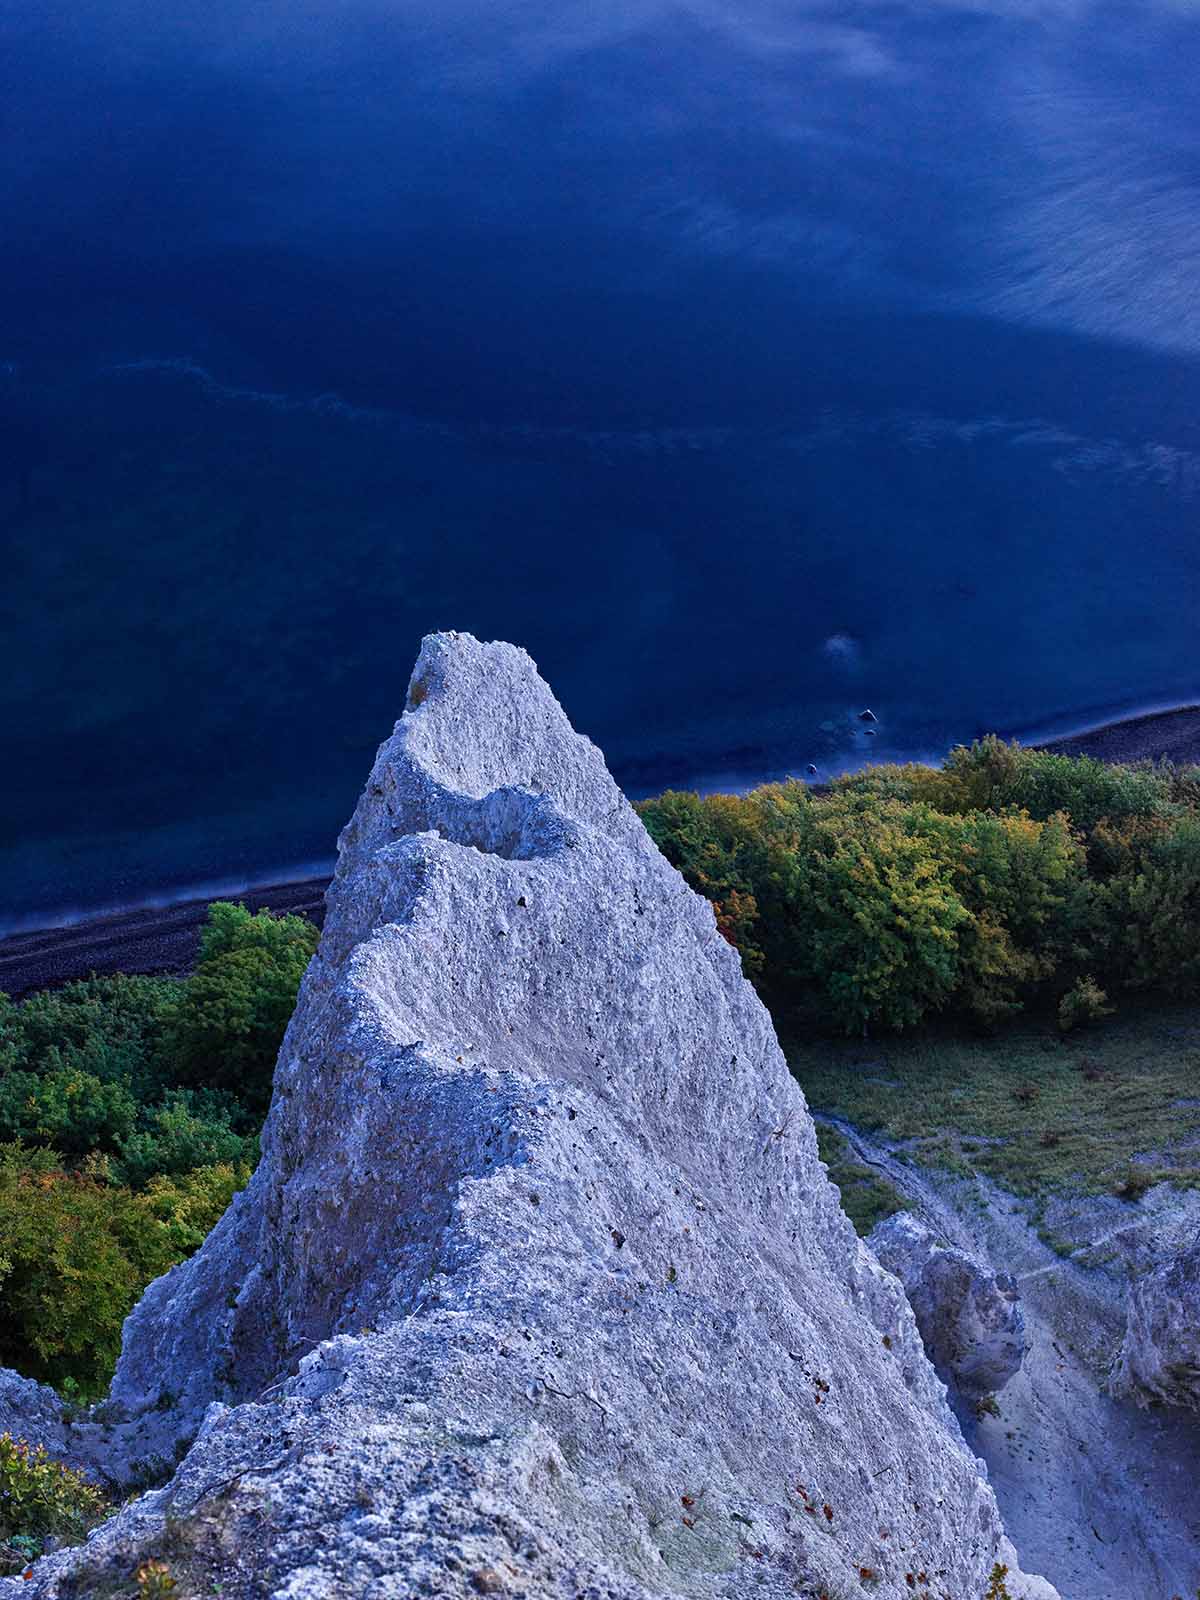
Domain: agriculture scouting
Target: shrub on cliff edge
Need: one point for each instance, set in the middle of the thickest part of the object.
(76, 1251)
(225, 1030)
(42, 1498)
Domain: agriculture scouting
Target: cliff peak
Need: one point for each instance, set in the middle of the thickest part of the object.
(540, 1287)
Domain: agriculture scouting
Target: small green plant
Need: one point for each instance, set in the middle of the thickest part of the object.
(155, 1582)
(40, 1497)
(1137, 1180)
(987, 1406)
(997, 1588)
(74, 1400)
(1085, 1002)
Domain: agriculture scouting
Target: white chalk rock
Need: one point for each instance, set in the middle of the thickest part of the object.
(1160, 1357)
(969, 1316)
(540, 1287)
(31, 1411)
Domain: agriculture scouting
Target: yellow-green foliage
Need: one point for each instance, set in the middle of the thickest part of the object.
(878, 908)
(874, 914)
(901, 891)
(76, 1251)
(1152, 907)
(1085, 1002)
(155, 1582)
(40, 1497)
(129, 1114)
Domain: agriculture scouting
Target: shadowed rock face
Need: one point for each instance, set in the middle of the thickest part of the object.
(32, 1412)
(970, 1318)
(540, 1286)
(1160, 1356)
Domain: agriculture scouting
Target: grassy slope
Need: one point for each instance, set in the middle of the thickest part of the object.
(866, 1197)
(1111, 1109)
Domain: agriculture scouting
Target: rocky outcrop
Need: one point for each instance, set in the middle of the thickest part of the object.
(32, 1412)
(1160, 1357)
(969, 1316)
(540, 1287)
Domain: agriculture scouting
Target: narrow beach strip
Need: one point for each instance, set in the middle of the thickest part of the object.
(153, 939)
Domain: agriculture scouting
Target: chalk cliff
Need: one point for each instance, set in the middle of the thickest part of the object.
(1160, 1357)
(540, 1287)
(969, 1316)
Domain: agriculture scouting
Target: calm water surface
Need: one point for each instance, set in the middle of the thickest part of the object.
(749, 363)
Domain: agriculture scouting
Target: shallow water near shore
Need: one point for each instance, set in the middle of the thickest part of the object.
(238, 597)
(690, 353)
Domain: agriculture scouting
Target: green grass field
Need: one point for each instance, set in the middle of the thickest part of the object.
(1111, 1109)
(866, 1197)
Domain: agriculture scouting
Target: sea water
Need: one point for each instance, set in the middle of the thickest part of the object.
(750, 365)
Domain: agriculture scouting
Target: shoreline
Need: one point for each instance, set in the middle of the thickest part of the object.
(161, 939)
(151, 940)
(1172, 734)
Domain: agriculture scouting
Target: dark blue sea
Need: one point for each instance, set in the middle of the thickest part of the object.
(748, 362)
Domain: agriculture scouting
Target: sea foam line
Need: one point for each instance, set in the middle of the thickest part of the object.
(1147, 461)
